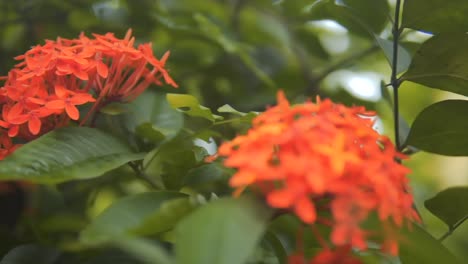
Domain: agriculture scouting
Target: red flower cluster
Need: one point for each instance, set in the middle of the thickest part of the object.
(324, 157)
(43, 91)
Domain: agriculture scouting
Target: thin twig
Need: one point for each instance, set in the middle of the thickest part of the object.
(140, 174)
(452, 228)
(346, 61)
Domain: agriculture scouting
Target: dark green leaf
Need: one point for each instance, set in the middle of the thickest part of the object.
(190, 105)
(441, 63)
(361, 17)
(404, 57)
(165, 217)
(417, 246)
(204, 173)
(67, 154)
(442, 128)
(436, 16)
(450, 205)
(277, 246)
(127, 215)
(145, 250)
(225, 231)
(27, 254)
(171, 161)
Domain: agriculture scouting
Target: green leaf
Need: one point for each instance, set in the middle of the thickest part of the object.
(131, 215)
(30, 253)
(442, 63)
(277, 247)
(436, 16)
(151, 117)
(225, 231)
(417, 246)
(450, 205)
(165, 217)
(145, 250)
(442, 128)
(404, 57)
(67, 154)
(204, 174)
(114, 109)
(171, 161)
(191, 106)
(361, 17)
(244, 117)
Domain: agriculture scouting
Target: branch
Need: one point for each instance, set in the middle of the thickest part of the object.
(140, 174)
(452, 228)
(346, 61)
(394, 81)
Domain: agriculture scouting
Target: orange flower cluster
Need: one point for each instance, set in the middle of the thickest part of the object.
(43, 91)
(324, 157)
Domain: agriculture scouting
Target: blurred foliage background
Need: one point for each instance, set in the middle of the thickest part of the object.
(241, 52)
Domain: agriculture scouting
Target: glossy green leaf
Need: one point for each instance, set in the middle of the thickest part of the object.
(417, 246)
(30, 253)
(442, 128)
(361, 17)
(441, 63)
(225, 231)
(450, 205)
(129, 214)
(436, 16)
(404, 57)
(191, 106)
(151, 116)
(67, 154)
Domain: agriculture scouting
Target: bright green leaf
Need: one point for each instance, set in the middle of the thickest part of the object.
(404, 57)
(67, 154)
(450, 205)
(245, 117)
(441, 63)
(442, 128)
(225, 231)
(191, 106)
(128, 214)
(417, 246)
(436, 16)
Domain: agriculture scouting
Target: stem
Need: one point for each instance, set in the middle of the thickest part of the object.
(140, 174)
(342, 63)
(452, 228)
(394, 80)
